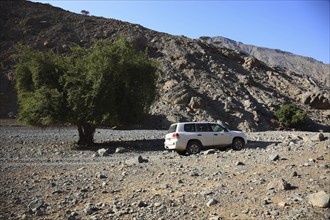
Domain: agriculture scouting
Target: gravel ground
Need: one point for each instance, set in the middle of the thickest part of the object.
(43, 176)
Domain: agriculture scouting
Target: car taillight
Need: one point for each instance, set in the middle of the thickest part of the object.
(175, 135)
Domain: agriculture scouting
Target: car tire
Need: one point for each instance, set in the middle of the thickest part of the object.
(238, 144)
(194, 147)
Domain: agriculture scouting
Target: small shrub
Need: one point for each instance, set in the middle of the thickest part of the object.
(291, 116)
(84, 12)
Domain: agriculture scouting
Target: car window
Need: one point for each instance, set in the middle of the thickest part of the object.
(216, 128)
(189, 127)
(203, 127)
(172, 128)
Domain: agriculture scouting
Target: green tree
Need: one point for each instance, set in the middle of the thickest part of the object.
(291, 116)
(109, 84)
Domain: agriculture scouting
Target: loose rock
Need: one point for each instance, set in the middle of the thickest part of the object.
(279, 184)
(212, 202)
(319, 199)
(103, 152)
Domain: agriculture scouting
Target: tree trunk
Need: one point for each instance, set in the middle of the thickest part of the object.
(86, 134)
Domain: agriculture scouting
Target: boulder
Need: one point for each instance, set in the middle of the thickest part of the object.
(279, 184)
(318, 137)
(251, 62)
(170, 84)
(179, 94)
(319, 199)
(196, 103)
(246, 80)
(317, 100)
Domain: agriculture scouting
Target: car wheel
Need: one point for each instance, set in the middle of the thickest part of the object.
(194, 147)
(238, 144)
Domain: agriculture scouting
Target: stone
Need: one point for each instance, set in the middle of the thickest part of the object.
(103, 152)
(282, 204)
(294, 174)
(196, 103)
(194, 173)
(136, 160)
(274, 157)
(317, 100)
(102, 176)
(41, 211)
(72, 215)
(170, 84)
(266, 201)
(274, 212)
(251, 62)
(211, 202)
(247, 103)
(320, 158)
(206, 193)
(120, 150)
(210, 151)
(319, 199)
(279, 184)
(179, 94)
(142, 204)
(318, 137)
(216, 217)
(35, 205)
(239, 163)
(164, 186)
(90, 209)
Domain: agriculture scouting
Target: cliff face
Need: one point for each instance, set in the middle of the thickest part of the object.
(199, 80)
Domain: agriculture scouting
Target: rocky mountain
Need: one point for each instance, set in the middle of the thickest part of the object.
(317, 71)
(199, 80)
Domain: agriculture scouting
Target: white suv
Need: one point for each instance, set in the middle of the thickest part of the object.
(191, 137)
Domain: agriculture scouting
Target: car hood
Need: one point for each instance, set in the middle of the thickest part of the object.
(237, 132)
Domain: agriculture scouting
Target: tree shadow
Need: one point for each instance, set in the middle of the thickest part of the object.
(127, 146)
(260, 144)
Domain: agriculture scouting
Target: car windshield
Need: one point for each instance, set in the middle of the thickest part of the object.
(172, 128)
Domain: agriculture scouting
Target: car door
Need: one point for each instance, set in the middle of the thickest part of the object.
(221, 136)
(204, 134)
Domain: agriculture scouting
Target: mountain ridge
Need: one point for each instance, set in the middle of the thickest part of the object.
(318, 70)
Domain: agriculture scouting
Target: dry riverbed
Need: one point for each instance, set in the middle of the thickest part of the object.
(279, 175)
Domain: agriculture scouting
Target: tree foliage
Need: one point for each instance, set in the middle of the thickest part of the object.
(84, 12)
(291, 116)
(109, 84)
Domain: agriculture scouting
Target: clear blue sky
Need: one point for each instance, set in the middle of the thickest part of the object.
(297, 26)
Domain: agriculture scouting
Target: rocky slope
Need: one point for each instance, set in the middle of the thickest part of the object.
(279, 175)
(199, 81)
(318, 71)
